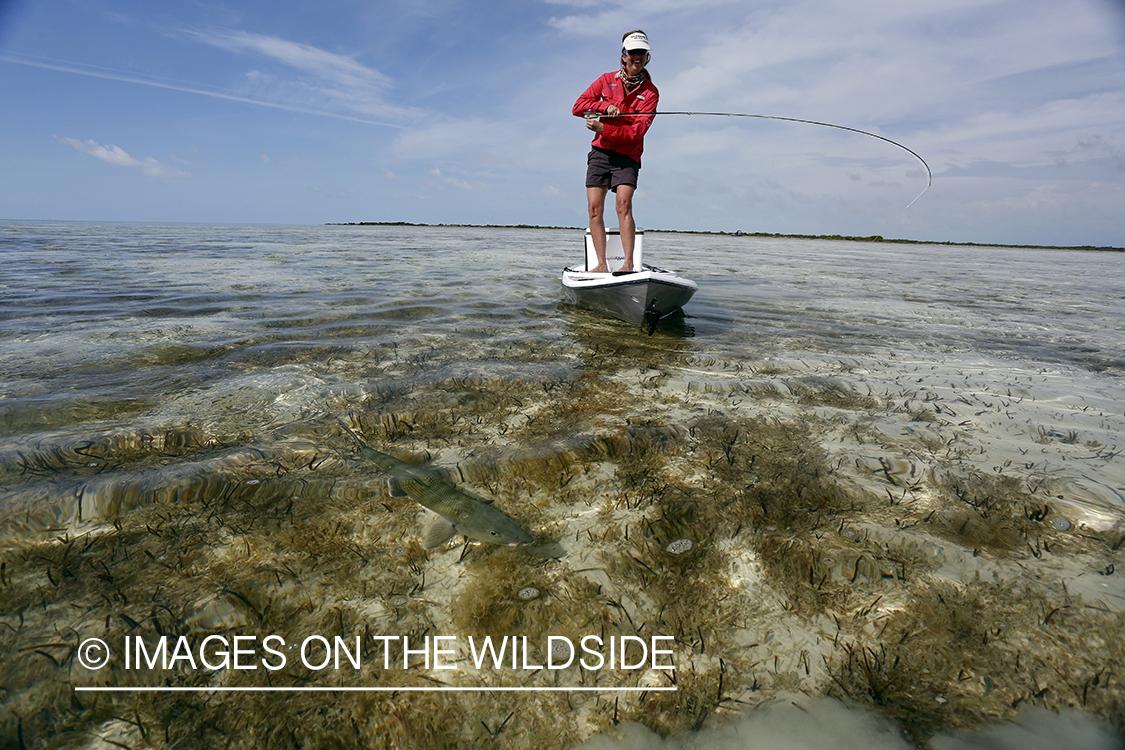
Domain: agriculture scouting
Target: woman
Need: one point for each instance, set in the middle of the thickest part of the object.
(615, 156)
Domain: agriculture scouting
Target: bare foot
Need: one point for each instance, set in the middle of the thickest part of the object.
(599, 269)
(623, 269)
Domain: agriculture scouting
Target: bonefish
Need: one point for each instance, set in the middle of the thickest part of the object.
(458, 511)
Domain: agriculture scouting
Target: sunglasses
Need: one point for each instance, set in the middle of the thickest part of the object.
(635, 52)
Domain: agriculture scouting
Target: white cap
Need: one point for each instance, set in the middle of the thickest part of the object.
(636, 40)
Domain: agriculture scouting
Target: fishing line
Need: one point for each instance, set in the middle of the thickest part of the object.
(929, 174)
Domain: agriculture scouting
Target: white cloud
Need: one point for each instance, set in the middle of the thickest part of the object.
(441, 138)
(623, 14)
(315, 104)
(117, 156)
(304, 57)
(466, 185)
(325, 80)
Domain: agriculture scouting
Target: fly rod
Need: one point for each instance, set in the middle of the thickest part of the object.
(929, 174)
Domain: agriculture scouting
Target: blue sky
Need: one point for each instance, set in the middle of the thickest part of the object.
(450, 111)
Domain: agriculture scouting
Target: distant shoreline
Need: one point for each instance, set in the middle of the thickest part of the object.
(837, 237)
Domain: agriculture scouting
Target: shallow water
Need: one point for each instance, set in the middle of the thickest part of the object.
(968, 402)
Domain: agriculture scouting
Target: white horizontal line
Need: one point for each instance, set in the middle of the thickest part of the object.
(111, 75)
(433, 689)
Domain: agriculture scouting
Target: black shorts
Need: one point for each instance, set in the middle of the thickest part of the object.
(609, 169)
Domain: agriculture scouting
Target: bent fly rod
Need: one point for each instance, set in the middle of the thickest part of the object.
(929, 174)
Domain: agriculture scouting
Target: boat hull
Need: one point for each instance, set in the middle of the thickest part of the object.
(639, 298)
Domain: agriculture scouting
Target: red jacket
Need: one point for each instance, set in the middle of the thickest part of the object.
(625, 135)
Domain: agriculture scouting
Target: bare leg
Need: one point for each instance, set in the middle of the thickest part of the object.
(628, 226)
(595, 197)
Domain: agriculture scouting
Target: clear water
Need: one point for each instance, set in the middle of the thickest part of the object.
(239, 329)
(138, 361)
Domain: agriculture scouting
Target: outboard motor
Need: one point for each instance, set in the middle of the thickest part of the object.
(652, 316)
